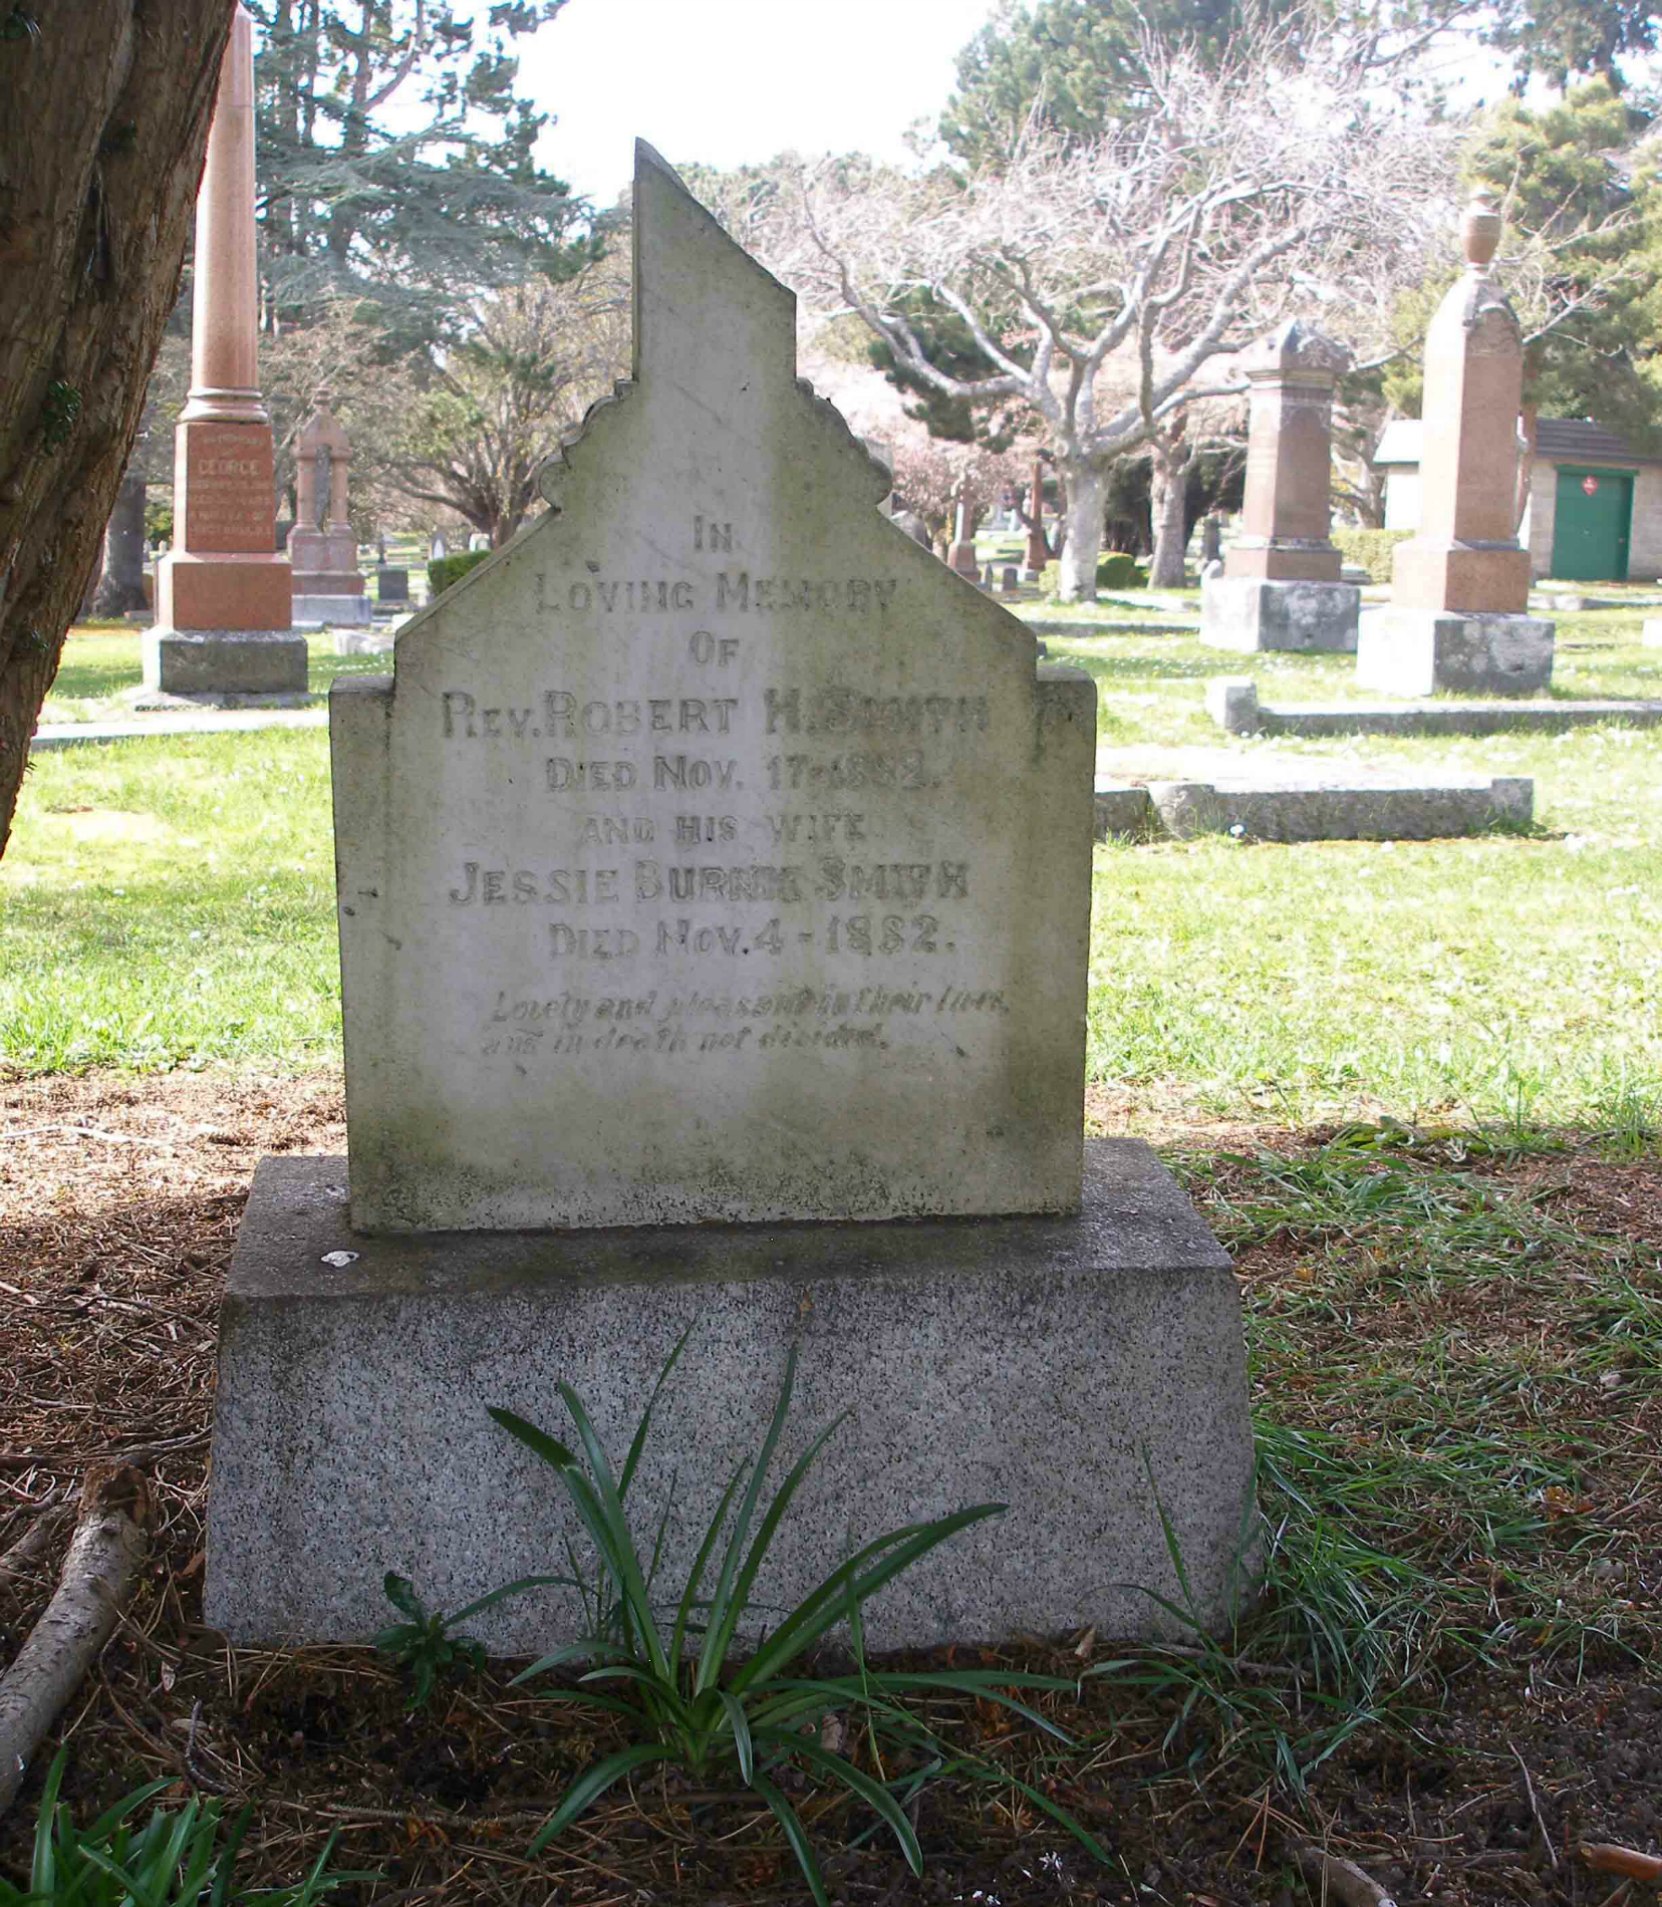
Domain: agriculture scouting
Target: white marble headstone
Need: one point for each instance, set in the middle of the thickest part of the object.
(714, 852)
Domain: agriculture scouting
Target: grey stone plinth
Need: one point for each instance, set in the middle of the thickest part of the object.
(1424, 652)
(1232, 702)
(1188, 808)
(1250, 613)
(326, 611)
(224, 662)
(1056, 1365)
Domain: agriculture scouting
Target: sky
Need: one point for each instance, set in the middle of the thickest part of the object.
(728, 82)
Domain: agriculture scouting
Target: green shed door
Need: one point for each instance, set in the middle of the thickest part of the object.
(1589, 535)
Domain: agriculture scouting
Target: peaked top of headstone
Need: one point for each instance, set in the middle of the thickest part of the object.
(321, 431)
(711, 321)
(1296, 346)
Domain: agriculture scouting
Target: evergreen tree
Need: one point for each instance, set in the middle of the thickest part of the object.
(397, 160)
(1558, 39)
(950, 347)
(1077, 61)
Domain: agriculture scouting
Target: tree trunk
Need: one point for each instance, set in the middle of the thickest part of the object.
(1167, 520)
(123, 586)
(99, 161)
(1085, 498)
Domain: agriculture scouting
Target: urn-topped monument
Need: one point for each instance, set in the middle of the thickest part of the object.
(1460, 584)
(714, 890)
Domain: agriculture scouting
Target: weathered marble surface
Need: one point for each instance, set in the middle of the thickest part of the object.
(714, 852)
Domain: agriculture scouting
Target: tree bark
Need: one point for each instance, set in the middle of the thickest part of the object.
(1085, 498)
(123, 586)
(99, 162)
(1167, 516)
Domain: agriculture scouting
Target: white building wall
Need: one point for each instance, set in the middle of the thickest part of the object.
(1402, 499)
(1536, 531)
(1644, 547)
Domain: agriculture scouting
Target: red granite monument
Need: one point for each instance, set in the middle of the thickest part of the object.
(1037, 553)
(1281, 586)
(328, 585)
(1460, 585)
(223, 609)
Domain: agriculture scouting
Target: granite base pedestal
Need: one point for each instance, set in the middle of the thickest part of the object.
(1426, 651)
(221, 662)
(1083, 1370)
(1252, 613)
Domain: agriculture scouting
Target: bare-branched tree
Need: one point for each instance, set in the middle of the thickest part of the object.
(535, 357)
(932, 475)
(1106, 285)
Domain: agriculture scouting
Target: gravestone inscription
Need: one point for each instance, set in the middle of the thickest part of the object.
(716, 853)
(225, 481)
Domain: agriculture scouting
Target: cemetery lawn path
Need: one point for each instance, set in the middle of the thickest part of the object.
(1454, 1679)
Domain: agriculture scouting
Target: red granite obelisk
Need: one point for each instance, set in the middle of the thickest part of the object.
(223, 599)
(1460, 585)
(1038, 550)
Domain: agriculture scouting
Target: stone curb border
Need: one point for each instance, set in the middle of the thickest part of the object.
(1055, 626)
(1232, 702)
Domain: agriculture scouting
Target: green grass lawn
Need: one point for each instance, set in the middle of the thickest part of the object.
(169, 903)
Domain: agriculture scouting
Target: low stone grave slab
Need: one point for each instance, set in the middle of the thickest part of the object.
(1146, 794)
(1058, 626)
(191, 720)
(1233, 704)
(364, 642)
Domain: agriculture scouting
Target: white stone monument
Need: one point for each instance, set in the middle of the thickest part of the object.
(716, 861)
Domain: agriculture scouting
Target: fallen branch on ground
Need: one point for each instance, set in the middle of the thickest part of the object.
(1340, 1880)
(1604, 1858)
(31, 1547)
(98, 1576)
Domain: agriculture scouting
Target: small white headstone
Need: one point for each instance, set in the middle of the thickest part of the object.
(715, 852)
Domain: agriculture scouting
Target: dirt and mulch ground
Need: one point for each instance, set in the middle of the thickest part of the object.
(1458, 1362)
